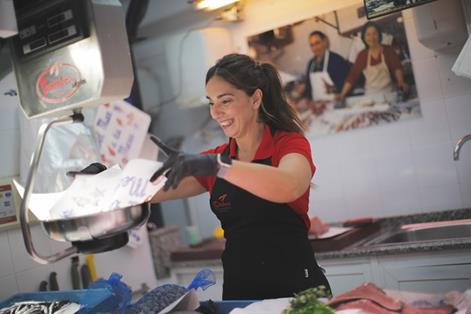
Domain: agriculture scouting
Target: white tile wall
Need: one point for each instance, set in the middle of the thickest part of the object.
(451, 84)
(365, 205)
(9, 127)
(361, 179)
(395, 169)
(9, 159)
(6, 262)
(8, 103)
(30, 279)
(434, 164)
(328, 185)
(465, 187)
(432, 127)
(330, 209)
(399, 200)
(8, 286)
(10, 108)
(437, 197)
(390, 138)
(22, 261)
(463, 167)
(427, 79)
(458, 110)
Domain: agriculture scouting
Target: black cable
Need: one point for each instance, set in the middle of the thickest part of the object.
(134, 16)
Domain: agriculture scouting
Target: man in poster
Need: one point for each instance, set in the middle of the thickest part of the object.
(326, 70)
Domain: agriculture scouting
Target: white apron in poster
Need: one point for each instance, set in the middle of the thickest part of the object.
(377, 77)
(321, 81)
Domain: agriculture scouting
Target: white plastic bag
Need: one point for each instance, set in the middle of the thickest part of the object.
(67, 147)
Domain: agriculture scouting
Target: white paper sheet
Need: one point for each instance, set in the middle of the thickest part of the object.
(120, 129)
(268, 306)
(90, 194)
(333, 231)
(187, 303)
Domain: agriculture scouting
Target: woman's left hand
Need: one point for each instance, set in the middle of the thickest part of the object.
(181, 165)
(318, 227)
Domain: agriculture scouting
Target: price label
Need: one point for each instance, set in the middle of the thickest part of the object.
(7, 205)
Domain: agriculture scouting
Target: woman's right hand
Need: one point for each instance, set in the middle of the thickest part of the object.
(180, 165)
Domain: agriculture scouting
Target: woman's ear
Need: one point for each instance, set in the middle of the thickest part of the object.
(257, 98)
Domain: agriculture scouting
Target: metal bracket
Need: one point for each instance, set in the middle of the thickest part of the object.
(76, 117)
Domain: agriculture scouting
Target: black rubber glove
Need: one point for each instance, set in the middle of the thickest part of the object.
(182, 165)
(93, 168)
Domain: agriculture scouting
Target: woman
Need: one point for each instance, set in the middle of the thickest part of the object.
(377, 63)
(258, 182)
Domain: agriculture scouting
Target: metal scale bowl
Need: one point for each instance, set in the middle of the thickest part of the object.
(71, 54)
(99, 232)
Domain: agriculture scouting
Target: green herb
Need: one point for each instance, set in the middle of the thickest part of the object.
(307, 302)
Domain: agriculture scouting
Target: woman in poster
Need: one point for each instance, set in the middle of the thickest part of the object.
(378, 64)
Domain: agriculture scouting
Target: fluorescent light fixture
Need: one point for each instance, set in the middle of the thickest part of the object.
(209, 5)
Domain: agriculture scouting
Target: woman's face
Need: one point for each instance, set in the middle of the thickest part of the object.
(372, 36)
(232, 108)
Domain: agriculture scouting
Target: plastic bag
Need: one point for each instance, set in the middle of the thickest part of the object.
(67, 147)
(203, 279)
(120, 290)
(161, 297)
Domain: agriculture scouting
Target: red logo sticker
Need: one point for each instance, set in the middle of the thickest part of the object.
(58, 83)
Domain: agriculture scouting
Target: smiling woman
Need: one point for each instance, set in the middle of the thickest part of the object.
(258, 182)
(232, 107)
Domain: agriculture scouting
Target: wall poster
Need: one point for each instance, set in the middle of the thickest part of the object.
(342, 72)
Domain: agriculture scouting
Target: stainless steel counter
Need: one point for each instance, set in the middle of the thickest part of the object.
(363, 247)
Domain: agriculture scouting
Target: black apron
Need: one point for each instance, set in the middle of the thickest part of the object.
(267, 254)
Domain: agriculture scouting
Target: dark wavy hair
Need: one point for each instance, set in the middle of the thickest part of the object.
(375, 26)
(318, 33)
(248, 75)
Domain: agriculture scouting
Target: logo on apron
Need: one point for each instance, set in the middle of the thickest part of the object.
(222, 203)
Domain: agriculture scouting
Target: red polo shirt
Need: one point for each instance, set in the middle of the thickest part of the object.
(276, 146)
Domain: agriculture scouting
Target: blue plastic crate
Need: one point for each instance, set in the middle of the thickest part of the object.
(224, 307)
(91, 300)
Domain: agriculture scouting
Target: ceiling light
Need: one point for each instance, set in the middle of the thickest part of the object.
(209, 5)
